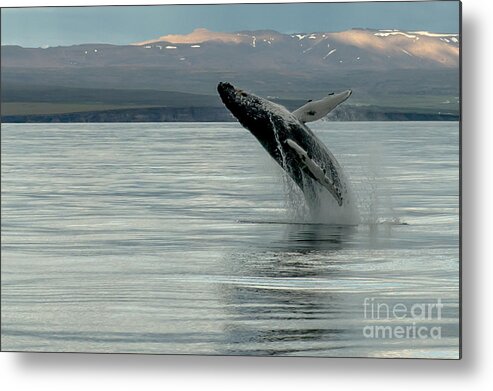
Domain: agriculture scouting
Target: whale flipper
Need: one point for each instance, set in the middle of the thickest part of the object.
(314, 110)
(315, 171)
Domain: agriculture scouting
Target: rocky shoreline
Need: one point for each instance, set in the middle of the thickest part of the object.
(218, 114)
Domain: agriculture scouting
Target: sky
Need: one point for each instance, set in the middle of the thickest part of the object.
(62, 26)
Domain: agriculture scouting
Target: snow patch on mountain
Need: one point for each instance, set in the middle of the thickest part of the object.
(386, 34)
(429, 34)
(329, 53)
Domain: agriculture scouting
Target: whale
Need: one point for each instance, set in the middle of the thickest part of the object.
(289, 141)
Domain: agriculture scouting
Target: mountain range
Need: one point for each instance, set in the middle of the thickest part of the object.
(394, 71)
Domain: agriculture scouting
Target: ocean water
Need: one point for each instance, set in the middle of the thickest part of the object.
(186, 238)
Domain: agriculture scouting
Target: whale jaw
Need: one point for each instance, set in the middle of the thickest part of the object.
(237, 101)
(249, 109)
(260, 116)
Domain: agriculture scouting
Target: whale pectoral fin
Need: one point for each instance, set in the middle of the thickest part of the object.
(314, 110)
(315, 171)
(306, 113)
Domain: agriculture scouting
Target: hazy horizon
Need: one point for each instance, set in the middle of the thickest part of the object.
(120, 25)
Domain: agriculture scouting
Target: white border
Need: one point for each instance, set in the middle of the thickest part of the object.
(120, 372)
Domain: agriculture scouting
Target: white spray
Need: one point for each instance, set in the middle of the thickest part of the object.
(317, 205)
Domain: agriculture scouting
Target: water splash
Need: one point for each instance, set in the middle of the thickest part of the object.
(294, 200)
(369, 203)
(374, 193)
(315, 204)
(325, 209)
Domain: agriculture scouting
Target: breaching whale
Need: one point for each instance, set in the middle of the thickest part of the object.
(289, 141)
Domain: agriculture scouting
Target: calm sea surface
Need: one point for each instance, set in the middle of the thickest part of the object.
(181, 238)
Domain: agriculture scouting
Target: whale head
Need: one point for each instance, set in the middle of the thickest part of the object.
(263, 118)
